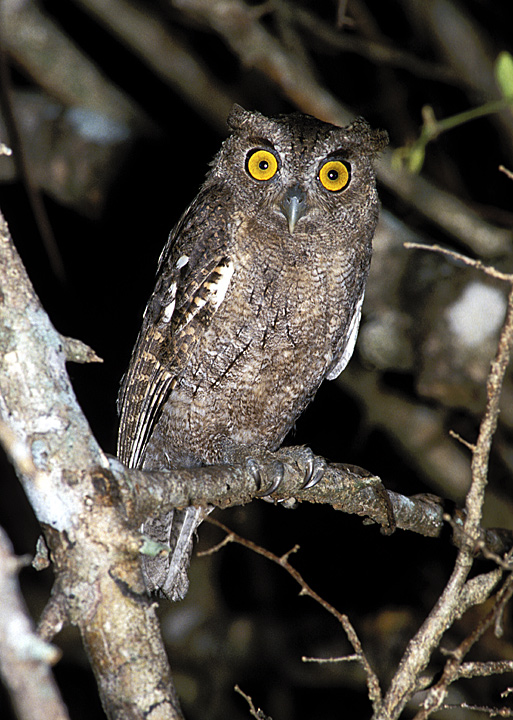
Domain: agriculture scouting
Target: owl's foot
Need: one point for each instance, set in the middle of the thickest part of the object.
(298, 458)
(315, 469)
(312, 465)
(277, 480)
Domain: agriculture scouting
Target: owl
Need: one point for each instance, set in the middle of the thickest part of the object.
(257, 300)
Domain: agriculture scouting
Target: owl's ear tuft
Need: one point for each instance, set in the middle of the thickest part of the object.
(238, 116)
(369, 140)
(378, 140)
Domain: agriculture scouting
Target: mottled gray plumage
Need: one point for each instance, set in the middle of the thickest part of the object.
(257, 301)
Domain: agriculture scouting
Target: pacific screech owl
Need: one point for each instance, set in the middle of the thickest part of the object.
(258, 299)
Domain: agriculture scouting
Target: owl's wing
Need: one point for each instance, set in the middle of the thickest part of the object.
(347, 349)
(193, 277)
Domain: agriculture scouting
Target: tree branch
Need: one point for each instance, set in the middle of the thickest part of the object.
(347, 488)
(449, 605)
(68, 482)
(25, 659)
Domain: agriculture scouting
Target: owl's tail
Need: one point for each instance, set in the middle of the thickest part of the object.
(168, 575)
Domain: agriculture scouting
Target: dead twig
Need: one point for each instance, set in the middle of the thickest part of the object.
(258, 714)
(373, 686)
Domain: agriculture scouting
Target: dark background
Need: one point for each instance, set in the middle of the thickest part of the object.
(243, 621)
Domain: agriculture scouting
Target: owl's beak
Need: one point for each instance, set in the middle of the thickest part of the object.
(294, 205)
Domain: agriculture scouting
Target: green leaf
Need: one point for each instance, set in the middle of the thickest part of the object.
(416, 156)
(409, 157)
(504, 73)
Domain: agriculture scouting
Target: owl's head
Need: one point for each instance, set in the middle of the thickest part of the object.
(292, 172)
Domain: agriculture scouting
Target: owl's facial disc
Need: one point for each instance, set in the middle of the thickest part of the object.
(294, 205)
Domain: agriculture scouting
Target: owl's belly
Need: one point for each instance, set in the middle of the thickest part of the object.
(245, 387)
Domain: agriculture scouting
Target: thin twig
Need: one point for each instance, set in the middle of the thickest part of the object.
(507, 172)
(493, 712)
(485, 669)
(458, 257)
(470, 446)
(372, 679)
(321, 661)
(258, 714)
(481, 454)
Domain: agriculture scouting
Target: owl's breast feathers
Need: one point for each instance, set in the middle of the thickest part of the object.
(237, 336)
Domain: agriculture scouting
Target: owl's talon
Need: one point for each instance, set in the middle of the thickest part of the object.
(277, 481)
(309, 469)
(315, 468)
(253, 468)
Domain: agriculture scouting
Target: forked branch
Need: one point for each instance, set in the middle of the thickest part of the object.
(449, 606)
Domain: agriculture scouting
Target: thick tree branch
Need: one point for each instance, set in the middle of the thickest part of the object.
(68, 481)
(25, 659)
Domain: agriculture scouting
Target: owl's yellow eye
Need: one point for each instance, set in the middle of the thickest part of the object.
(261, 164)
(334, 175)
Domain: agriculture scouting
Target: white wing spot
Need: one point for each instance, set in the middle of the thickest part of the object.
(183, 260)
(221, 286)
(352, 334)
(216, 290)
(169, 308)
(168, 311)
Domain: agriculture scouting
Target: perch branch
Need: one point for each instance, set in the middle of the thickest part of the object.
(345, 487)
